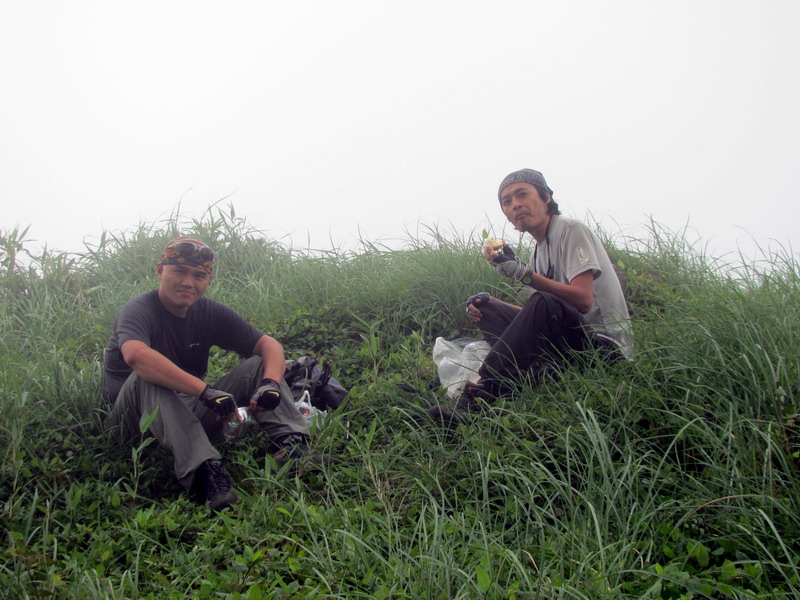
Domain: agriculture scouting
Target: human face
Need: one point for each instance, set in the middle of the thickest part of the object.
(525, 209)
(181, 286)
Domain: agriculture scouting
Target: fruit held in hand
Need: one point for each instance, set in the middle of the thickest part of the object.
(493, 243)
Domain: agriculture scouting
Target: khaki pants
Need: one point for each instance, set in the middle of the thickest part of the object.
(185, 427)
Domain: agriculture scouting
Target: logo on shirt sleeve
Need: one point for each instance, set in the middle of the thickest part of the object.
(582, 256)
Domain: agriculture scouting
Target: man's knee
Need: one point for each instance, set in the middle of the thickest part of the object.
(546, 306)
(135, 388)
(138, 397)
(491, 310)
(252, 362)
(243, 380)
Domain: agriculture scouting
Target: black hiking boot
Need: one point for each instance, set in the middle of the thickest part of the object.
(467, 404)
(216, 485)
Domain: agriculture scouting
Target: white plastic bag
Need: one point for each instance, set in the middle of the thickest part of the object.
(458, 362)
(312, 415)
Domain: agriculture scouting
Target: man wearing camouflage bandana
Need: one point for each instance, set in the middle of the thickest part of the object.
(156, 360)
(576, 301)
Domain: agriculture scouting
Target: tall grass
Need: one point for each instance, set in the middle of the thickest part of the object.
(675, 476)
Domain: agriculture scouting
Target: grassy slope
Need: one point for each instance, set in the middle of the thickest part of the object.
(673, 477)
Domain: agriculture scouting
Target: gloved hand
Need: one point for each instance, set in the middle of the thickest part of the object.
(268, 394)
(507, 263)
(479, 299)
(220, 402)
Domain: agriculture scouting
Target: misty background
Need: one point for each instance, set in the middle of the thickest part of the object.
(325, 122)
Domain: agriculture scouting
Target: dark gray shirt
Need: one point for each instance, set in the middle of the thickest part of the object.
(185, 341)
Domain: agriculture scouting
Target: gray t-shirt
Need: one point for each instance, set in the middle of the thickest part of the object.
(572, 248)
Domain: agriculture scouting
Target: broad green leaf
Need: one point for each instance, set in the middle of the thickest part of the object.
(698, 552)
(484, 581)
(146, 420)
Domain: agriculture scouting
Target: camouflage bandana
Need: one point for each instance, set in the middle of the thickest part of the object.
(525, 176)
(189, 252)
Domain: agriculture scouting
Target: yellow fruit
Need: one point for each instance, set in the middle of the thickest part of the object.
(493, 243)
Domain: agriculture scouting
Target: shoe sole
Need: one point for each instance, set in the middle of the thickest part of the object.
(223, 501)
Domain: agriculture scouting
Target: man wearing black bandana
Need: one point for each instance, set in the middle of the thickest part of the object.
(156, 360)
(576, 302)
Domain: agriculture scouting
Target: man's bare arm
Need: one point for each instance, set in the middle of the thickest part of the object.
(156, 368)
(579, 292)
(272, 356)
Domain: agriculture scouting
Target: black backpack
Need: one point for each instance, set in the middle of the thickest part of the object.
(304, 375)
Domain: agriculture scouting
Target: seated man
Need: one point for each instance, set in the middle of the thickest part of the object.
(577, 301)
(158, 355)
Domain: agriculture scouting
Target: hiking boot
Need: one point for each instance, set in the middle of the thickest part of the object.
(293, 449)
(467, 404)
(216, 485)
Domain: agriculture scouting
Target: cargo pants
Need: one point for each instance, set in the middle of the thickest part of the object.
(186, 427)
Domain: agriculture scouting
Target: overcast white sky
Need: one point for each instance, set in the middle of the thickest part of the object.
(323, 119)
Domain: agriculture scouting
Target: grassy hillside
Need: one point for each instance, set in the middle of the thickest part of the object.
(672, 477)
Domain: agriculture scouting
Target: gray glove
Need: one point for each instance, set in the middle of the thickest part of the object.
(220, 402)
(509, 265)
(268, 394)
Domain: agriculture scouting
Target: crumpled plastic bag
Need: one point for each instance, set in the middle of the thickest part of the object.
(310, 413)
(458, 361)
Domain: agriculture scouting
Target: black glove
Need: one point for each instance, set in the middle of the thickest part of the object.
(479, 300)
(220, 402)
(268, 394)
